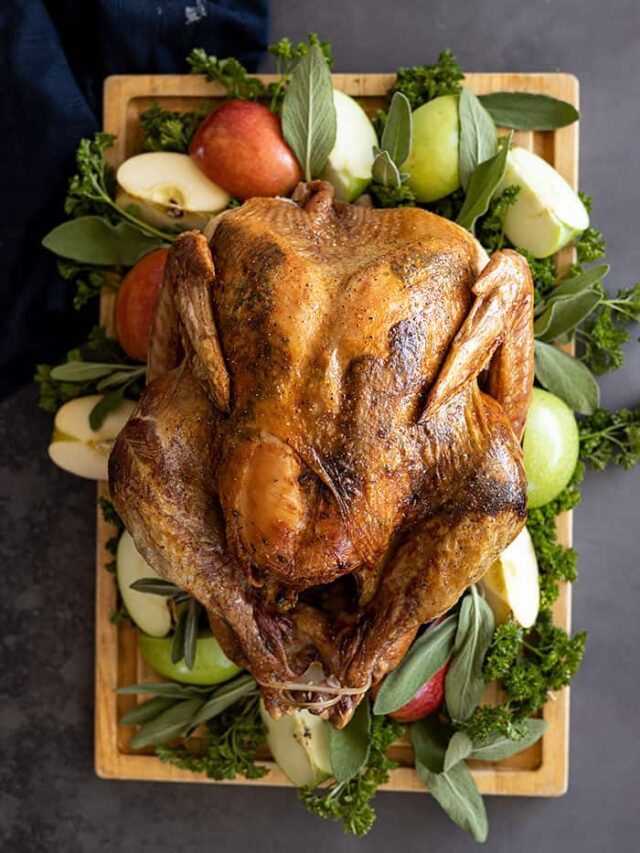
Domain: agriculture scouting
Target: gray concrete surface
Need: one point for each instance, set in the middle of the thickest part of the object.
(50, 799)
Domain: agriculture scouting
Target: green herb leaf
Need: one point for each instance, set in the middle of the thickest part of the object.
(464, 683)
(457, 794)
(477, 135)
(148, 710)
(611, 437)
(425, 657)
(95, 240)
(482, 185)
(156, 586)
(430, 738)
(385, 171)
(120, 377)
(109, 402)
(165, 688)
(191, 633)
(309, 114)
(580, 282)
(563, 314)
(527, 111)
(172, 723)
(224, 697)
(165, 130)
(459, 748)
(397, 133)
(177, 646)
(82, 371)
(566, 377)
(349, 747)
(498, 747)
(422, 83)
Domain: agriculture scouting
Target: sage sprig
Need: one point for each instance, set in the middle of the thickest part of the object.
(349, 747)
(395, 144)
(482, 184)
(171, 723)
(478, 140)
(309, 113)
(528, 111)
(567, 378)
(95, 240)
(464, 683)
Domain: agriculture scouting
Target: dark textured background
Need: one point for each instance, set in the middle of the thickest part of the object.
(50, 799)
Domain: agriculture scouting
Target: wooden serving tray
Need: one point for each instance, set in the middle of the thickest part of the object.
(541, 770)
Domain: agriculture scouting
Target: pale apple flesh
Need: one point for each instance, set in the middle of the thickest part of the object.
(348, 168)
(547, 213)
(150, 612)
(78, 449)
(169, 190)
(299, 744)
(511, 585)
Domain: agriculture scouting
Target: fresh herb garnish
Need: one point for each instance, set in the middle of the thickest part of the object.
(167, 130)
(610, 438)
(490, 228)
(230, 72)
(482, 185)
(88, 280)
(528, 111)
(309, 114)
(286, 55)
(395, 144)
(422, 83)
(349, 747)
(567, 378)
(478, 140)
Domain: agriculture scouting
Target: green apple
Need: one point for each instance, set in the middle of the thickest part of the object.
(211, 665)
(150, 612)
(299, 744)
(547, 213)
(349, 165)
(511, 585)
(76, 447)
(433, 161)
(550, 447)
(169, 190)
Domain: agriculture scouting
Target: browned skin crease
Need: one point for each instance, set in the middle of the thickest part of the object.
(326, 422)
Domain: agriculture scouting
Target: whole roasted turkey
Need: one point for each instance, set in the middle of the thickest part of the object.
(327, 453)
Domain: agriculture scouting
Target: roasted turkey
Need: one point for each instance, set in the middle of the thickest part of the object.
(328, 450)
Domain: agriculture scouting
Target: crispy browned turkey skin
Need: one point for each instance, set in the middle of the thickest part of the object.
(327, 454)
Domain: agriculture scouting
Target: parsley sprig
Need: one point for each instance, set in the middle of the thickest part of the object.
(422, 83)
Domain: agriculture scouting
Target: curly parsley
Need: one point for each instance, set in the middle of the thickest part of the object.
(422, 83)
(166, 130)
(610, 437)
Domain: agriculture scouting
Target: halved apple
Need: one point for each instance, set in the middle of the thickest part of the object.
(349, 165)
(169, 190)
(511, 585)
(150, 612)
(77, 448)
(299, 744)
(547, 213)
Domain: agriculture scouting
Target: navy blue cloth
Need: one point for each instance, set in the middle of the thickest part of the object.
(55, 56)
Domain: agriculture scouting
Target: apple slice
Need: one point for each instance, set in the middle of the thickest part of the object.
(349, 165)
(511, 585)
(149, 612)
(547, 213)
(299, 744)
(78, 449)
(169, 189)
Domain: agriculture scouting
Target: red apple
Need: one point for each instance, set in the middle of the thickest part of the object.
(427, 699)
(240, 147)
(137, 299)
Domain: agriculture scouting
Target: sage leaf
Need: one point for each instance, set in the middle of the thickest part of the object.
(579, 283)
(464, 683)
(567, 378)
(478, 141)
(528, 111)
(430, 738)
(499, 747)
(109, 402)
(460, 747)
(82, 371)
(148, 710)
(349, 747)
(165, 688)
(482, 185)
(168, 725)
(191, 633)
(397, 134)
(457, 794)
(309, 113)
(385, 171)
(177, 646)
(156, 586)
(119, 377)
(224, 697)
(94, 240)
(563, 315)
(425, 657)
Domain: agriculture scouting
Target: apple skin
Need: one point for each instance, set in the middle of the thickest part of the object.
(136, 302)
(240, 147)
(427, 699)
(433, 161)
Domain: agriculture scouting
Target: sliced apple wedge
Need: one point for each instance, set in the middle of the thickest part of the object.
(169, 189)
(78, 449)
(511, 585)
(547, 213)
(299, 744)
(149, 612)
(349, 165)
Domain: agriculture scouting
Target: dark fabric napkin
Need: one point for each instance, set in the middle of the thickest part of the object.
(55, 56)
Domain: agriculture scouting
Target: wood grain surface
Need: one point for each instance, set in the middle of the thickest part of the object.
(541, 770)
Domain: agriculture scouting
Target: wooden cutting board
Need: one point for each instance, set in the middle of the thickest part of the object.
(541, 770)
